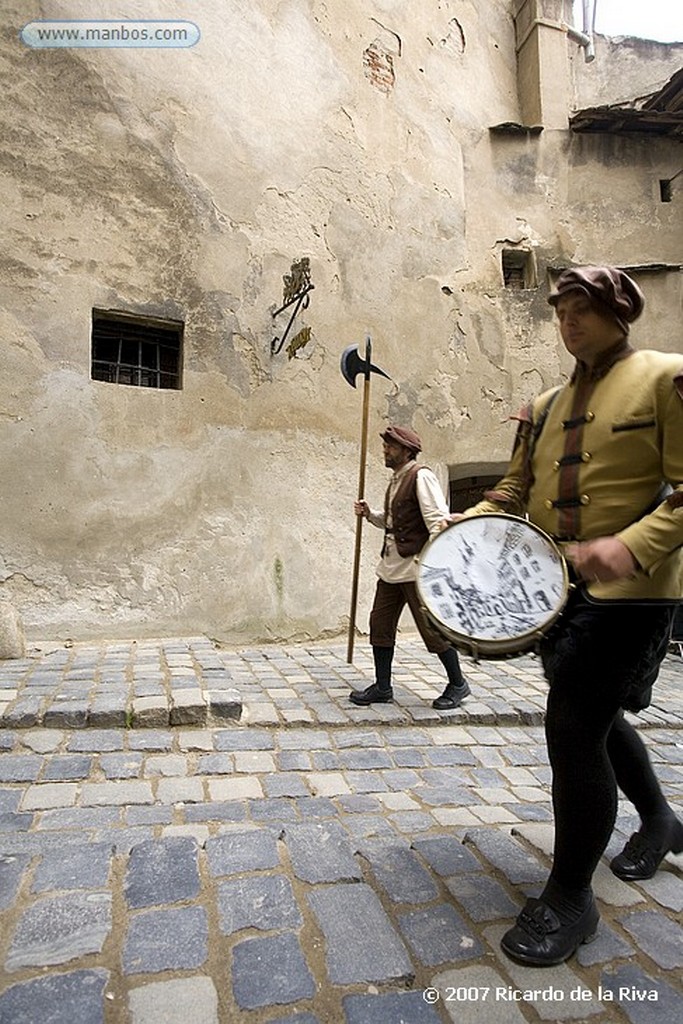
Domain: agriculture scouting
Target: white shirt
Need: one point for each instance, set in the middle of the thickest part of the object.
(393, 567)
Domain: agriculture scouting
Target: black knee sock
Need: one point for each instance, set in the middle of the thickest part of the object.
(383, 657)
(450, 661)
(568, 904)
(660, 829)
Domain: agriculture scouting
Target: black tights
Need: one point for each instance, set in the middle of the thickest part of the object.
(586, 774)
(598, 658)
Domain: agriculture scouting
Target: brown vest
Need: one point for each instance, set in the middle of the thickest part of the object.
(408, 526)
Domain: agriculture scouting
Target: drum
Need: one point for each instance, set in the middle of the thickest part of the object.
(492, 584)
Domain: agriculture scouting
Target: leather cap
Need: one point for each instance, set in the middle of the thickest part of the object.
(403, 435)
(608, 285)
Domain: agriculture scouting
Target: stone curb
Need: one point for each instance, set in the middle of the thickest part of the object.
(189, 683)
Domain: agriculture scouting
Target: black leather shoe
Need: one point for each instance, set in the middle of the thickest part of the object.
(540, 940)
(640, 858)
(372, 695)
(452, 696)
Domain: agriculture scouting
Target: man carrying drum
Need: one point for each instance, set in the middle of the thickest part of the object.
(598, 465)
(414, 508)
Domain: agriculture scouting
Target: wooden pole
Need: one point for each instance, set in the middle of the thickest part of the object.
(361, 494)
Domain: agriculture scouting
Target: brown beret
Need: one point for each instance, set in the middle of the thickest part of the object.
(403, 435)
(608, 285)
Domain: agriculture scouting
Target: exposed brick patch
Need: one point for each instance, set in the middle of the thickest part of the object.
(378, 64)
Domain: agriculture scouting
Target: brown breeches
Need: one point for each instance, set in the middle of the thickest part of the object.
(390, 600)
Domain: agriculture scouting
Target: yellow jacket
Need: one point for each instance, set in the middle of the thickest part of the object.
(602, 472)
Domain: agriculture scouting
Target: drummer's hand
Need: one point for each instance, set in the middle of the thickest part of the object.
(602, 559)
(454, 517)
(361, 508)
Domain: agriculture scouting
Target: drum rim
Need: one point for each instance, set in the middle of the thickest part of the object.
(521, 641)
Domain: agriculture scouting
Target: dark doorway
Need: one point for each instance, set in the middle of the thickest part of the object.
(469, 490)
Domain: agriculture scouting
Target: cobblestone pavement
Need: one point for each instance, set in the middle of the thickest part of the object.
(190, 834)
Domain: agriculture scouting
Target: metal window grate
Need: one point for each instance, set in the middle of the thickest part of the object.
(135, 350)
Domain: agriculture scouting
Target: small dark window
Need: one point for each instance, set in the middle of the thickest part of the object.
(665, 191)
(518, 268)
(467, 491)
(139, 351)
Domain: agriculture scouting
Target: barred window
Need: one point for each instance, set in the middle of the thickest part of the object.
(136, 350)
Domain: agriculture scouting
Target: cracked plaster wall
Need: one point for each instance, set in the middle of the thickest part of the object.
(183, 184)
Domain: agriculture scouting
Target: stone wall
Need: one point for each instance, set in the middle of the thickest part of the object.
(184, 184)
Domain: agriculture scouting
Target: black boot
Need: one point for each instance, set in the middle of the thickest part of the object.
(452, 697)
(646, 850)
(457, 688)
(551, 928)
(541, 939)
(371, 695)
(380, 692)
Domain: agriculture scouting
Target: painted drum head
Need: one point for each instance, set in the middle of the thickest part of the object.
(493, 584)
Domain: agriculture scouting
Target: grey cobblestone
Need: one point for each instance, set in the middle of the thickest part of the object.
(483, 898)
(642, 998)
(140, 815)
(125, 792)
(389, 1008)
(151, 739)
(518, 866)
(66, 767)
(276, 811)
(10, 822)
(253, 739)
(12, 867)
(96, 741)
(270, 971)
(174, 1002)
(214, 811)
(162, 871)
(321, 853)
(59, 999)
(266, 902)
(607, 946)
(666, 889)
(398, 871)
(346, 863)
(447, 856)
(659, 937)
(439, 935)
(316, 807)
(362, 946)
(57, 929)
(80, 817)
(19, 768)
(243, 851)
(86, 867)
(166, 940)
